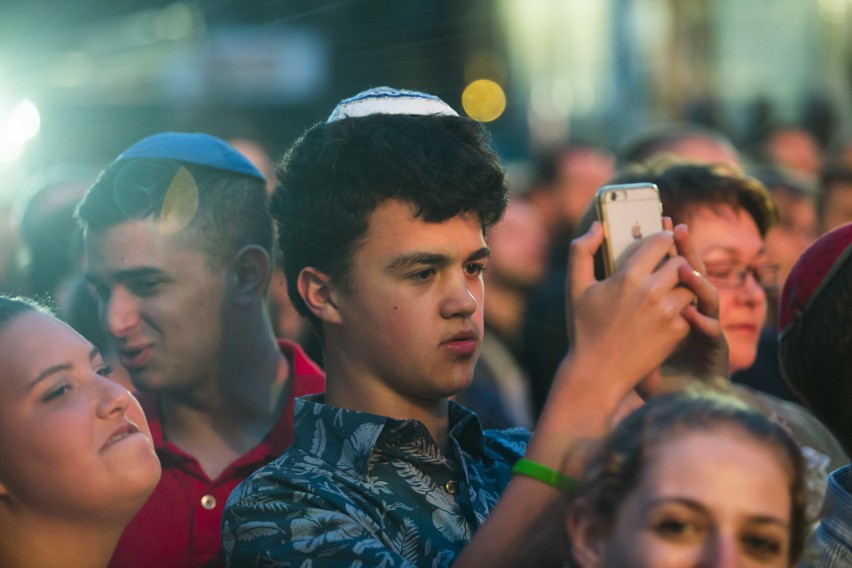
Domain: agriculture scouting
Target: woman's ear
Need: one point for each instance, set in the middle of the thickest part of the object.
(585, 534)
(319, 295)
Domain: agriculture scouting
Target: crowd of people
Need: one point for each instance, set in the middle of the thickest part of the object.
(219, 368)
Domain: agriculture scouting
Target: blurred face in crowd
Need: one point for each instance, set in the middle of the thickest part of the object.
(704, 498)
(795, 150)
(735, 257)
(518, 247)
(795, 232)
(161, 301)
(837, 209)
(705, 151)
(581, 171)
(76, 444)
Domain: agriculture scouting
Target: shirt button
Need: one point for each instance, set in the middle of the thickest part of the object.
(450, 486)
(208, 502)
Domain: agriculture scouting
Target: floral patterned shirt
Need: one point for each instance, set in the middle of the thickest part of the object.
(360, 490)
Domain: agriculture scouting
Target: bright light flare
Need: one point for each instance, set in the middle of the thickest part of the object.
(484, 100)
(17, 127)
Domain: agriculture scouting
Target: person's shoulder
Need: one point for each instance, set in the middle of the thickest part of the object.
(805, 428)
(830, 544)
(275, 480)
(511, 442)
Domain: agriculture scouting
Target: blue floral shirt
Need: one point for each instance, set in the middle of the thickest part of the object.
(360, 490)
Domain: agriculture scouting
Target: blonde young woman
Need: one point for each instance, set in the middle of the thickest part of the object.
(77, 457)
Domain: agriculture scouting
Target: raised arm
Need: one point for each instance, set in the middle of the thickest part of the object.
(623, 327)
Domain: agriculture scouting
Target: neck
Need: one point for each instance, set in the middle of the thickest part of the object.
(371, 395)
(238, 410)
(57, 544)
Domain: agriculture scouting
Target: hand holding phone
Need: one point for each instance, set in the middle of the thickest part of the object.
(628, 213)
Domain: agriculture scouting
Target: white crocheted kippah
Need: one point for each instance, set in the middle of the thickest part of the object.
(385, 100)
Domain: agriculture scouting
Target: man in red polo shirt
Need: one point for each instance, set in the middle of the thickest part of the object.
(178, 243)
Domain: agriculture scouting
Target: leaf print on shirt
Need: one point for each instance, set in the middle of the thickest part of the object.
(321, 530)
(355, 455)
(407, 541)
(447, 517)
(319, 439)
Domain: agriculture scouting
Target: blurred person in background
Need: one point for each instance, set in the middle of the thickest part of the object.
(728, 216)
(692, 480)
(564, 183)
(500, 391)
(178, 244)
(78, 458)
(565, 180)
(793, 149)
(834, 196)
(52, 255)
(785, 242)
(545, 335)
(51, 239)
(682, 140)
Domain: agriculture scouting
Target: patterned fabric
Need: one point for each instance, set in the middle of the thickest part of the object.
(831, 544)
(360, 490)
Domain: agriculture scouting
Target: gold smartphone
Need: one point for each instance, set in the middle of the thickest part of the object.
(628, 213)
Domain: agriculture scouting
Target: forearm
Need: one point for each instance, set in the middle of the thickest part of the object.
(527, 526)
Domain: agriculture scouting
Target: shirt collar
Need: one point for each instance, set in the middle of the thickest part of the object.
(352, 440)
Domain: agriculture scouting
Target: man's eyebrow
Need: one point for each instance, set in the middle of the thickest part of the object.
(53, 369)
(406, 260)
(484, 252)
(123, 275)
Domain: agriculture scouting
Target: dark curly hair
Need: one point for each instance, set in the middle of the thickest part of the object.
(337, 173)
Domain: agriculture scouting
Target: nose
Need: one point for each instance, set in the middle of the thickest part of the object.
(460, 299)
(720, 551)
(113, 398)
(751, 291)
(120, 313)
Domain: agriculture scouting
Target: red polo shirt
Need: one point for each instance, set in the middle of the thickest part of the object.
(179, 525)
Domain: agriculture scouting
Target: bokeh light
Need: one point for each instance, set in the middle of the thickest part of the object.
(18, 125)
(484, 100)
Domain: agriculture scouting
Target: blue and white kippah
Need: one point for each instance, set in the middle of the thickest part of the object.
(385, 100)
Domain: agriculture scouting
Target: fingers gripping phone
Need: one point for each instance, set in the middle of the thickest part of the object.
(628, 213)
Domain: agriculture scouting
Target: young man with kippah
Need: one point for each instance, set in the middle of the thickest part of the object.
(178, 245)
(382, 212)
(815, 351)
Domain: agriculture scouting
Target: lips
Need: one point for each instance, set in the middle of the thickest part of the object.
(120, 433)
(464, 343)
(134, 358)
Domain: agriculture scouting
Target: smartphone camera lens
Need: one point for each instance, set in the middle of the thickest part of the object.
(613, 196)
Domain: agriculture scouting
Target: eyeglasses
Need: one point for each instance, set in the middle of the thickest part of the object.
(733, 273)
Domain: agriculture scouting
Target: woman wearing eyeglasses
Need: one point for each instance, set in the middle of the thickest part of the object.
(728, 215)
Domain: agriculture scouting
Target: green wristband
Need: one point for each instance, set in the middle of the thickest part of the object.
(529, 468)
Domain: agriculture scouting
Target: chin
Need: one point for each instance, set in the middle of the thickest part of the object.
(742, 363)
